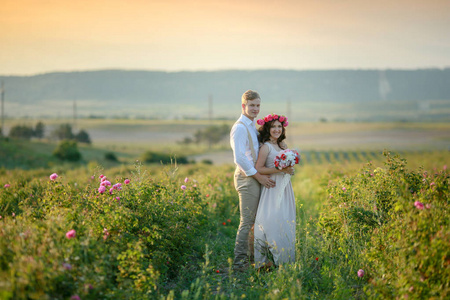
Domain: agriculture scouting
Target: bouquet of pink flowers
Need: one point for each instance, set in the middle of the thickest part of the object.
(286, 158)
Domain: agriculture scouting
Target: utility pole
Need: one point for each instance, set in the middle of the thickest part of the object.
(74, 114)
(288, 108)
(210, 108)
(3, 109)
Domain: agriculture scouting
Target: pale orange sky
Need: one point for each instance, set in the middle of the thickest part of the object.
(60, 35)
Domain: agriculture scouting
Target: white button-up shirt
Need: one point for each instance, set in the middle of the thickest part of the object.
(241, 145)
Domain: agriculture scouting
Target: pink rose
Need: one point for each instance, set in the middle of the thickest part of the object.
(106, 183)
(285, 124)
(53, 176)
(266, 119)
(127, 181)
(102, 189)
(360, 273)
(275, 117)
(269, 117)
(70, 234)
(260, 122)
(418, 204)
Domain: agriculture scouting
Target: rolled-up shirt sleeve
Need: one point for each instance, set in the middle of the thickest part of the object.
(238, 137)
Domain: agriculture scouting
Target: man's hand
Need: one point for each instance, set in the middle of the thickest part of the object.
(264, 180)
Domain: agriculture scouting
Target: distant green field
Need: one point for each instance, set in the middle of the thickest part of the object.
(135, 136)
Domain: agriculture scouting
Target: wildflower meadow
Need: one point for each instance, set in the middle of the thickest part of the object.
(365, 230)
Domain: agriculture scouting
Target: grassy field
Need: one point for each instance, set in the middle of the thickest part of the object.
(153, 238)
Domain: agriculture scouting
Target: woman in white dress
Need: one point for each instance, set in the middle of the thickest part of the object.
(275, 219)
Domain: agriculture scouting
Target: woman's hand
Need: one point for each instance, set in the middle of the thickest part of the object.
(288, 170)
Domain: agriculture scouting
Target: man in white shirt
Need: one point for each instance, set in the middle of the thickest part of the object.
(245, 145)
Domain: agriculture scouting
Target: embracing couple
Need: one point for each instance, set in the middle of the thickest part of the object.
(266, 198)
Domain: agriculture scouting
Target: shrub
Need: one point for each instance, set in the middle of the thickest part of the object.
(67, 150)
(157, 157)
(394, 223)
(111, 156)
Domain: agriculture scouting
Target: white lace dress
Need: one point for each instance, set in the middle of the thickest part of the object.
(275, 219)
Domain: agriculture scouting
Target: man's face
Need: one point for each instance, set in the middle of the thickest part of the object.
(251, 108)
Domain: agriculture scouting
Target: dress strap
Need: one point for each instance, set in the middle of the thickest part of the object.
(250, 141)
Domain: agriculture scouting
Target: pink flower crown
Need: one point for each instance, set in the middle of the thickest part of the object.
(282, 119)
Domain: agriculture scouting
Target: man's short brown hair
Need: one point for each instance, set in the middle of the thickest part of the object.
(249, 95)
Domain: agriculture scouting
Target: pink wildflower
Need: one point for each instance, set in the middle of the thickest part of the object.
(111, 190)
(71, 234)
(67, 266)
(102, 189)
(105, 183)
(360, 273)
(117, 198)
(118, 186)
(53, 176)
(13, 214)
(6, 186)
(105, 233)
(75, 297)
(445, 167)
(428, 206)
(127, 181)
(101, 176)
(186, 180)
(432, 184)
(183, 187)
(0, 217)
(344, 189)
(418, 204)
(92, 177)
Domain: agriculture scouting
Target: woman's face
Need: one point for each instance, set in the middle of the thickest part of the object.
(276, 129)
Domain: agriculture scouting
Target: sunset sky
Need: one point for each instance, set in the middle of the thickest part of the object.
(173, 35)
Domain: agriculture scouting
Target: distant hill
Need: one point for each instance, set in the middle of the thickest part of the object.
(185, 94)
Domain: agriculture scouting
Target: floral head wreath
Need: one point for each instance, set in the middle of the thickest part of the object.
(272, 117)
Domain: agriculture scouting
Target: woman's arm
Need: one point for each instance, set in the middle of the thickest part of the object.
(260, 163)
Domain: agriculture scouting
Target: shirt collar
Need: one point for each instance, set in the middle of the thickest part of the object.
(247, 121)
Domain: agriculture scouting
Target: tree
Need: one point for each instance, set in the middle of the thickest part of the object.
(21, 132)
(63, 132)
(39, 130)
(212, 134)
(83, 137)
(67, 150)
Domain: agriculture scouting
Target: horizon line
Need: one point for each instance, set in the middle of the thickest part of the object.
(220, 70)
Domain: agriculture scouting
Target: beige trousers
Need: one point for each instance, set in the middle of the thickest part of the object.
(249, 191)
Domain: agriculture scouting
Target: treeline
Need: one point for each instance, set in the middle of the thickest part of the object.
(62, 132)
